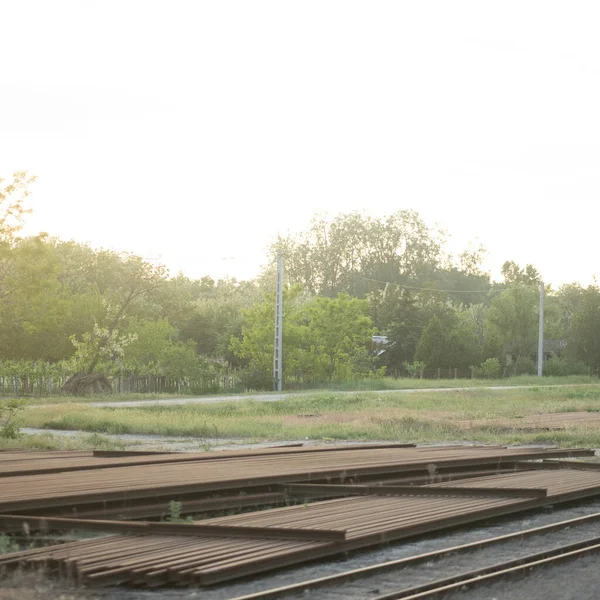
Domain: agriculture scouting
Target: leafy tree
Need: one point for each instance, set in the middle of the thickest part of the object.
(513, 274)
(399, 315)
(584, 341)
(216, 316)
(562, 306)
(487, 341)
(156, 349)
(514, 317)
(447, 343)
(134, 278)
(339, 331)
(432, 348)
(256, 343)
(32, 306)
(463, 350)
(344, 253)
(12, 204)
(323, 338)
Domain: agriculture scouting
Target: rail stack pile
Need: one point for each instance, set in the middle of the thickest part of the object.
(343, 498)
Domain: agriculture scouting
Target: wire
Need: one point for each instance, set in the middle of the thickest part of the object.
(422, 289)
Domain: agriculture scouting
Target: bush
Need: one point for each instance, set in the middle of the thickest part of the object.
(563, 366)
(415, 369)
(9, 422)
(488, 369)
(525, 366)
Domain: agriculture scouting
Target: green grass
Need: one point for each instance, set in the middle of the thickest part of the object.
(47, 441)
(96, 398)
(423, 417)
(386, 383)
(389, 383)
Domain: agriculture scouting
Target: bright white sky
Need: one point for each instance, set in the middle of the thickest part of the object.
(196, 131)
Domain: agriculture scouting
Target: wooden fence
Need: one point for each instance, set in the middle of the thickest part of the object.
(41, 386)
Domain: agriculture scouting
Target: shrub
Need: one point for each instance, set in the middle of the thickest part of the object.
(9, 422)
(415, 369)
(525, 366)
(488, 369)
(563, 366)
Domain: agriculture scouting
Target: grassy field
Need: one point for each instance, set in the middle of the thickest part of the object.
(47, 441)
(424, 417)
(386, 383)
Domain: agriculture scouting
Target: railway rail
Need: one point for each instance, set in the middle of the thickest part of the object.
(353, 498)
(459, 581)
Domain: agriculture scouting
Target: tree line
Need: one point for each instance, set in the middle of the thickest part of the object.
(67, 306)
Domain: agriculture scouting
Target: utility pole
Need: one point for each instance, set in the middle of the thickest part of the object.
(278, 345)
(541, 334)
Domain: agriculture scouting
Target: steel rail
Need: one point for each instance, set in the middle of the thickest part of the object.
(411, 561)
(406, 490)
(102, 459)
(88, 487)
(184, 529)
(487, 575)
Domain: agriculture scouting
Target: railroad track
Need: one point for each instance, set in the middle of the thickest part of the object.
(388, 580)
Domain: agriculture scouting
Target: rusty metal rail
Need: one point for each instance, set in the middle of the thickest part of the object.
(502, 570)
(184, 529)
(149, 481)
(224, 548)
(321, 491)
(368, 520)
(412, 561)
(15, 463)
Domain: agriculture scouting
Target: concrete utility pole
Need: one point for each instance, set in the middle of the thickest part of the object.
(278, 345)
(541, 333)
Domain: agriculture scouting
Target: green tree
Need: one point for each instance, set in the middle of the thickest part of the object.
(513, 274)
(346, 253)
(255, 346)
(398, 314)
(32, 305)
(584, 340)
(432, 348)
(216, 316)
(339, 333)
(157, 349)
(323, 338)
(449, 342)
(564, 304)
(514, 318)
(12, 204)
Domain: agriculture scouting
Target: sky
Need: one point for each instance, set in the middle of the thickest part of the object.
(194, 132)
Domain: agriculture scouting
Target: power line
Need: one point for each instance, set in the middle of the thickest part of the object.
(422, 289)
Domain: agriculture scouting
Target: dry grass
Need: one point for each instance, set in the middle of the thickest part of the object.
(27, 585)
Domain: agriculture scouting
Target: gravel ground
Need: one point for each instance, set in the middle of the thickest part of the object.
(577, 580)
(418, 575)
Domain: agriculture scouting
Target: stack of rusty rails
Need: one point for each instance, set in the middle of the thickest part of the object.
(559, 464)
(28, 463)
(571, 484)
(199, 508)
(52, 493)
(366, 517)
